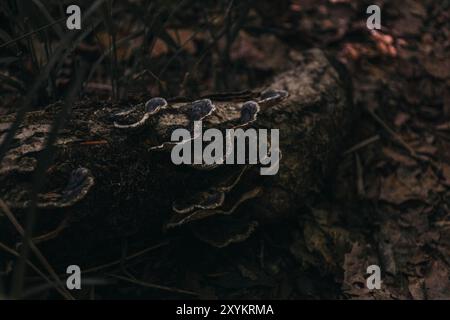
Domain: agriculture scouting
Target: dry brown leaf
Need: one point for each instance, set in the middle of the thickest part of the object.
(398, 157)
(405, 185)
(437, 281)
(265, 52)
(416, 288)
(438, 67)
(183, 37)
(406, 26)
(446, 174)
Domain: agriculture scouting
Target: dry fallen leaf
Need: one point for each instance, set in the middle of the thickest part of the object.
(265, 52)
(437, 281)
(399, 158)
(408, 184)
(438, 67)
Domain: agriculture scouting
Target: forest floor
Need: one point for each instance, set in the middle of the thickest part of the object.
(393, 188)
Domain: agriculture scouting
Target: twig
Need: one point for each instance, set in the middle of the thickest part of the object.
(33, 266)
(396, 137)
(35, 249)
(359, 176)
(32, 32)
(132, 256)
(86, 282)
(52, 234)
(154, 286)
(362, 144)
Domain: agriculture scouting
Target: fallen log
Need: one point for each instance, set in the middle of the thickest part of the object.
(113, 175)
